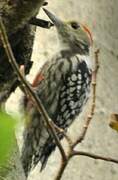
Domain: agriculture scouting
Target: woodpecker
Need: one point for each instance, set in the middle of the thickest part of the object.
(63, 86)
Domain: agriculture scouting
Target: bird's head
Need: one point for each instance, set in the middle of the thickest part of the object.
(74, 37)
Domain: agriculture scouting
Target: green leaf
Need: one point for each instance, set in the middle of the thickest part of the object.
(7, 137)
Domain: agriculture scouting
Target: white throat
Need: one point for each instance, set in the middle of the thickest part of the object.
(87, 59)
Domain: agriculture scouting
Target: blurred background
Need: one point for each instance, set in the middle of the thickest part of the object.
(102, 18)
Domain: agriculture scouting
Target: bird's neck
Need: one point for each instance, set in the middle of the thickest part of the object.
(67, 53)
(87, 59)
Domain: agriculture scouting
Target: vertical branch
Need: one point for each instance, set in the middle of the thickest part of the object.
(71, 152)
(61, 170)
(92, 108)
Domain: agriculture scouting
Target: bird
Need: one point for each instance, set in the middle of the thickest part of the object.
(63, 85)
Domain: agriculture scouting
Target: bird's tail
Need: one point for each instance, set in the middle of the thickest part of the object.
(38, 145)
(49, 147)
(47, 150)
(27, 153)
(31, 138)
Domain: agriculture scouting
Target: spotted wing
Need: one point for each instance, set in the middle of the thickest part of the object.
(73, 94)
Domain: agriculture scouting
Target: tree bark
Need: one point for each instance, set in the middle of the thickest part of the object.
(16, 15)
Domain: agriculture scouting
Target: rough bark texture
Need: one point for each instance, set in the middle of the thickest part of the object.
(16, 14)
(21, 43)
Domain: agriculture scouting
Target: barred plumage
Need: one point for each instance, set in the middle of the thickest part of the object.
(63, 91)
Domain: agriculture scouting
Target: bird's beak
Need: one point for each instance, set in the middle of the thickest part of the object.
(57, 22)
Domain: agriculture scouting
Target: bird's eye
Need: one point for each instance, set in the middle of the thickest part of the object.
(75, 25)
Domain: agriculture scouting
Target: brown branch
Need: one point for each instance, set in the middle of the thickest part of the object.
(60, 130)
(82, 153)
(41, 23)
(94, 156)
(27, 86)
(92, 109)
(87, 121)
(61, 169)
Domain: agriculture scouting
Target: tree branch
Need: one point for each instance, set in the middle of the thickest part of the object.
(92, 109)
(41, 23)
(87, 121)
(61, 169)
(94, 156)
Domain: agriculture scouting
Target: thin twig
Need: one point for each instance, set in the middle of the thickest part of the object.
(82, 153)
(60, 130)
(41, 23)
(94, 156)
(26, 85)
(87, 121)
(91, 113)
